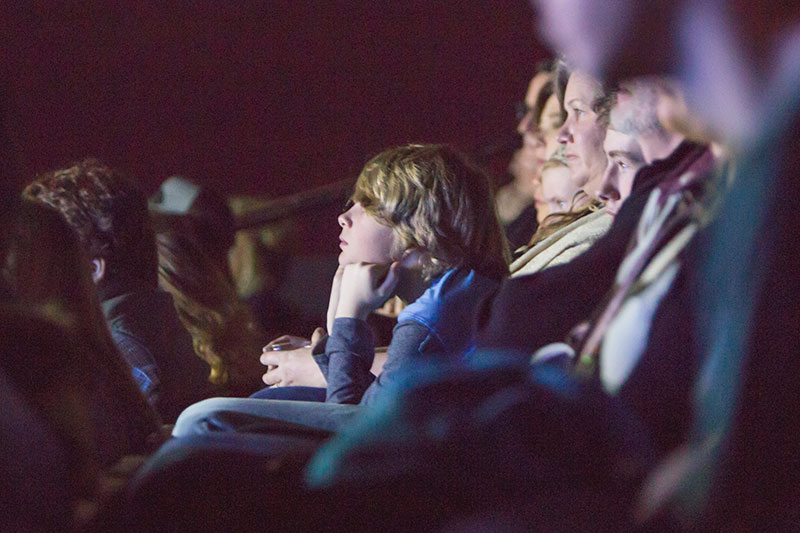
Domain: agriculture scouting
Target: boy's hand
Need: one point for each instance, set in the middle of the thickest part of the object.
(365, 287)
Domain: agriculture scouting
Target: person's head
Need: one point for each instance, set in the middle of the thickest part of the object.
(206, 213)
(532, 154)
(550, 121)
(109, 215)
(717, 48)
(50, 272)
(625, 38)
(636, 110)
(556, 189)
(582, 133)
(429, 199)
(224, 332)
(624, 161)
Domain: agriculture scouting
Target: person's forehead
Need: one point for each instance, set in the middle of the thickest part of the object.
(551, 106)
(535, 87)
(583, 87)
(616, 141)
(555, 179)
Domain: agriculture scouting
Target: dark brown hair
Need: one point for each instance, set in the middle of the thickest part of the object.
(108, 213)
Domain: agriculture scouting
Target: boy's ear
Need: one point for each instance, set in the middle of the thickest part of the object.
(412, 258)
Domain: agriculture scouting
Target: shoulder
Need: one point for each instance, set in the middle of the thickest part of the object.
(447, 307)
(453, 289)
(565, 244)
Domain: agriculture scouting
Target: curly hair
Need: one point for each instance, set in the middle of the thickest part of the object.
(108, 213)
(437, 201)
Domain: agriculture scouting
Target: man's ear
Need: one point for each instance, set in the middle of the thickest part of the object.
(98, 269)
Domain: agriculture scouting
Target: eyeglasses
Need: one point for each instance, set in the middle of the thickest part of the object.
(522, 109)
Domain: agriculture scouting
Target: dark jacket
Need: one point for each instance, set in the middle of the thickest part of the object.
(152, 339)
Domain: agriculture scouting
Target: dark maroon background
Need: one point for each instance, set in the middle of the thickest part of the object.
(254, 97)
(266, 98)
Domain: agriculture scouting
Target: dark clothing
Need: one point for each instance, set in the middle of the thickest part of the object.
(659, 389)
(36, 489)
(520, 230)
(152, 339)
(528, 312)
(350, 351)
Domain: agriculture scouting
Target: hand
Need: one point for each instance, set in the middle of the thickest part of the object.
(293, 365)
(333, 301)
(392, 308)
(365, 287)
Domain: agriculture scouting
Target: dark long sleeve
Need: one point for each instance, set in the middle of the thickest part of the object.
(350, 351)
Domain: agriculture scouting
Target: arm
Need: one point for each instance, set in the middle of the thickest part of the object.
(411, 341)
(350, 348)
(351, 356)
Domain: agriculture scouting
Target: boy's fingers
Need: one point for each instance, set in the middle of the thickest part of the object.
(317, 336)
(388, 285)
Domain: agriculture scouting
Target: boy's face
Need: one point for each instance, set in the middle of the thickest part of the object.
(363, 239)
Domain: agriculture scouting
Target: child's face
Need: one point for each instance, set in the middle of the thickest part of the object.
(363, 239)
(557, 190)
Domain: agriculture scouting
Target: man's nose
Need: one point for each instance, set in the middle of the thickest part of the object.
(608, 187)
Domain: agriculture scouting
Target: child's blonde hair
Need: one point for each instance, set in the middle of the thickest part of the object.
(438, 202)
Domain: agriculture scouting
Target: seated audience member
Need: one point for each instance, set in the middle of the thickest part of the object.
(515, 200)
(224, 332)
(738, 64)
(622, 332)
(581, 136)
(422, 224)
(208, 217)
(371, 450)
(49, 270)
(557, 191)
(583, 132)
(540, 128)
(110, 217)
(563, 206)
(567, 294)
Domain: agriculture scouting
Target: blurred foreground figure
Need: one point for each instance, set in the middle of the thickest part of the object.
(739, 63)
(111, 220)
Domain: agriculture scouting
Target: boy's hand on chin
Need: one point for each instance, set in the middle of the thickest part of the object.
(365, 287)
